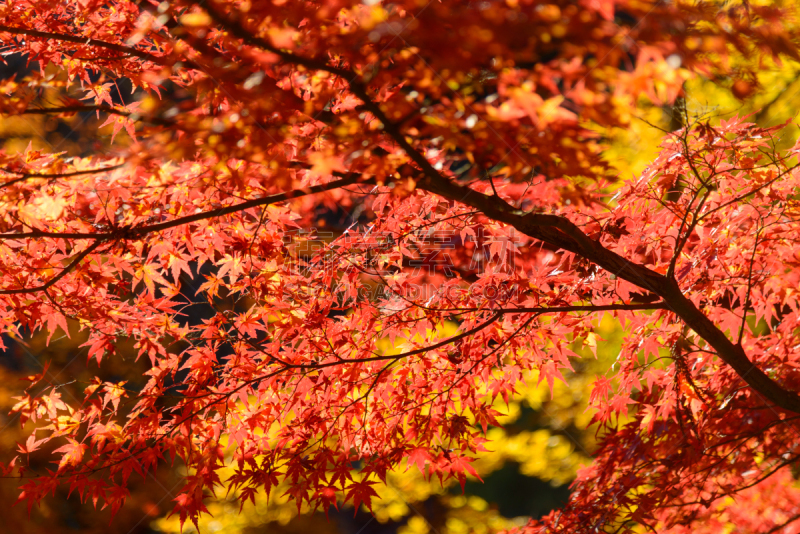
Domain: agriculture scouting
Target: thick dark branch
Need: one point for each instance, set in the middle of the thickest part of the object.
(552, 229)
(561, 235)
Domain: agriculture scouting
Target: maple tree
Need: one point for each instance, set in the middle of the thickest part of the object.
(485, 238)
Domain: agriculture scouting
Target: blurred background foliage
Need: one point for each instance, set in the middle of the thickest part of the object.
(546, 436)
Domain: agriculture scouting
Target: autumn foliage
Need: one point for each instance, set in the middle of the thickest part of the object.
(342, 180)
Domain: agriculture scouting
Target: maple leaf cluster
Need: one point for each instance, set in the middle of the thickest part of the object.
(457, 138)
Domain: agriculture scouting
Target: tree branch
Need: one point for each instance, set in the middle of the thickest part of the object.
(81, 40)
(51, 176)
(105, 109)
(587, 308)
(786, 523)
(552, 229)
(140, 231)
(236, 30)
(74, 263)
